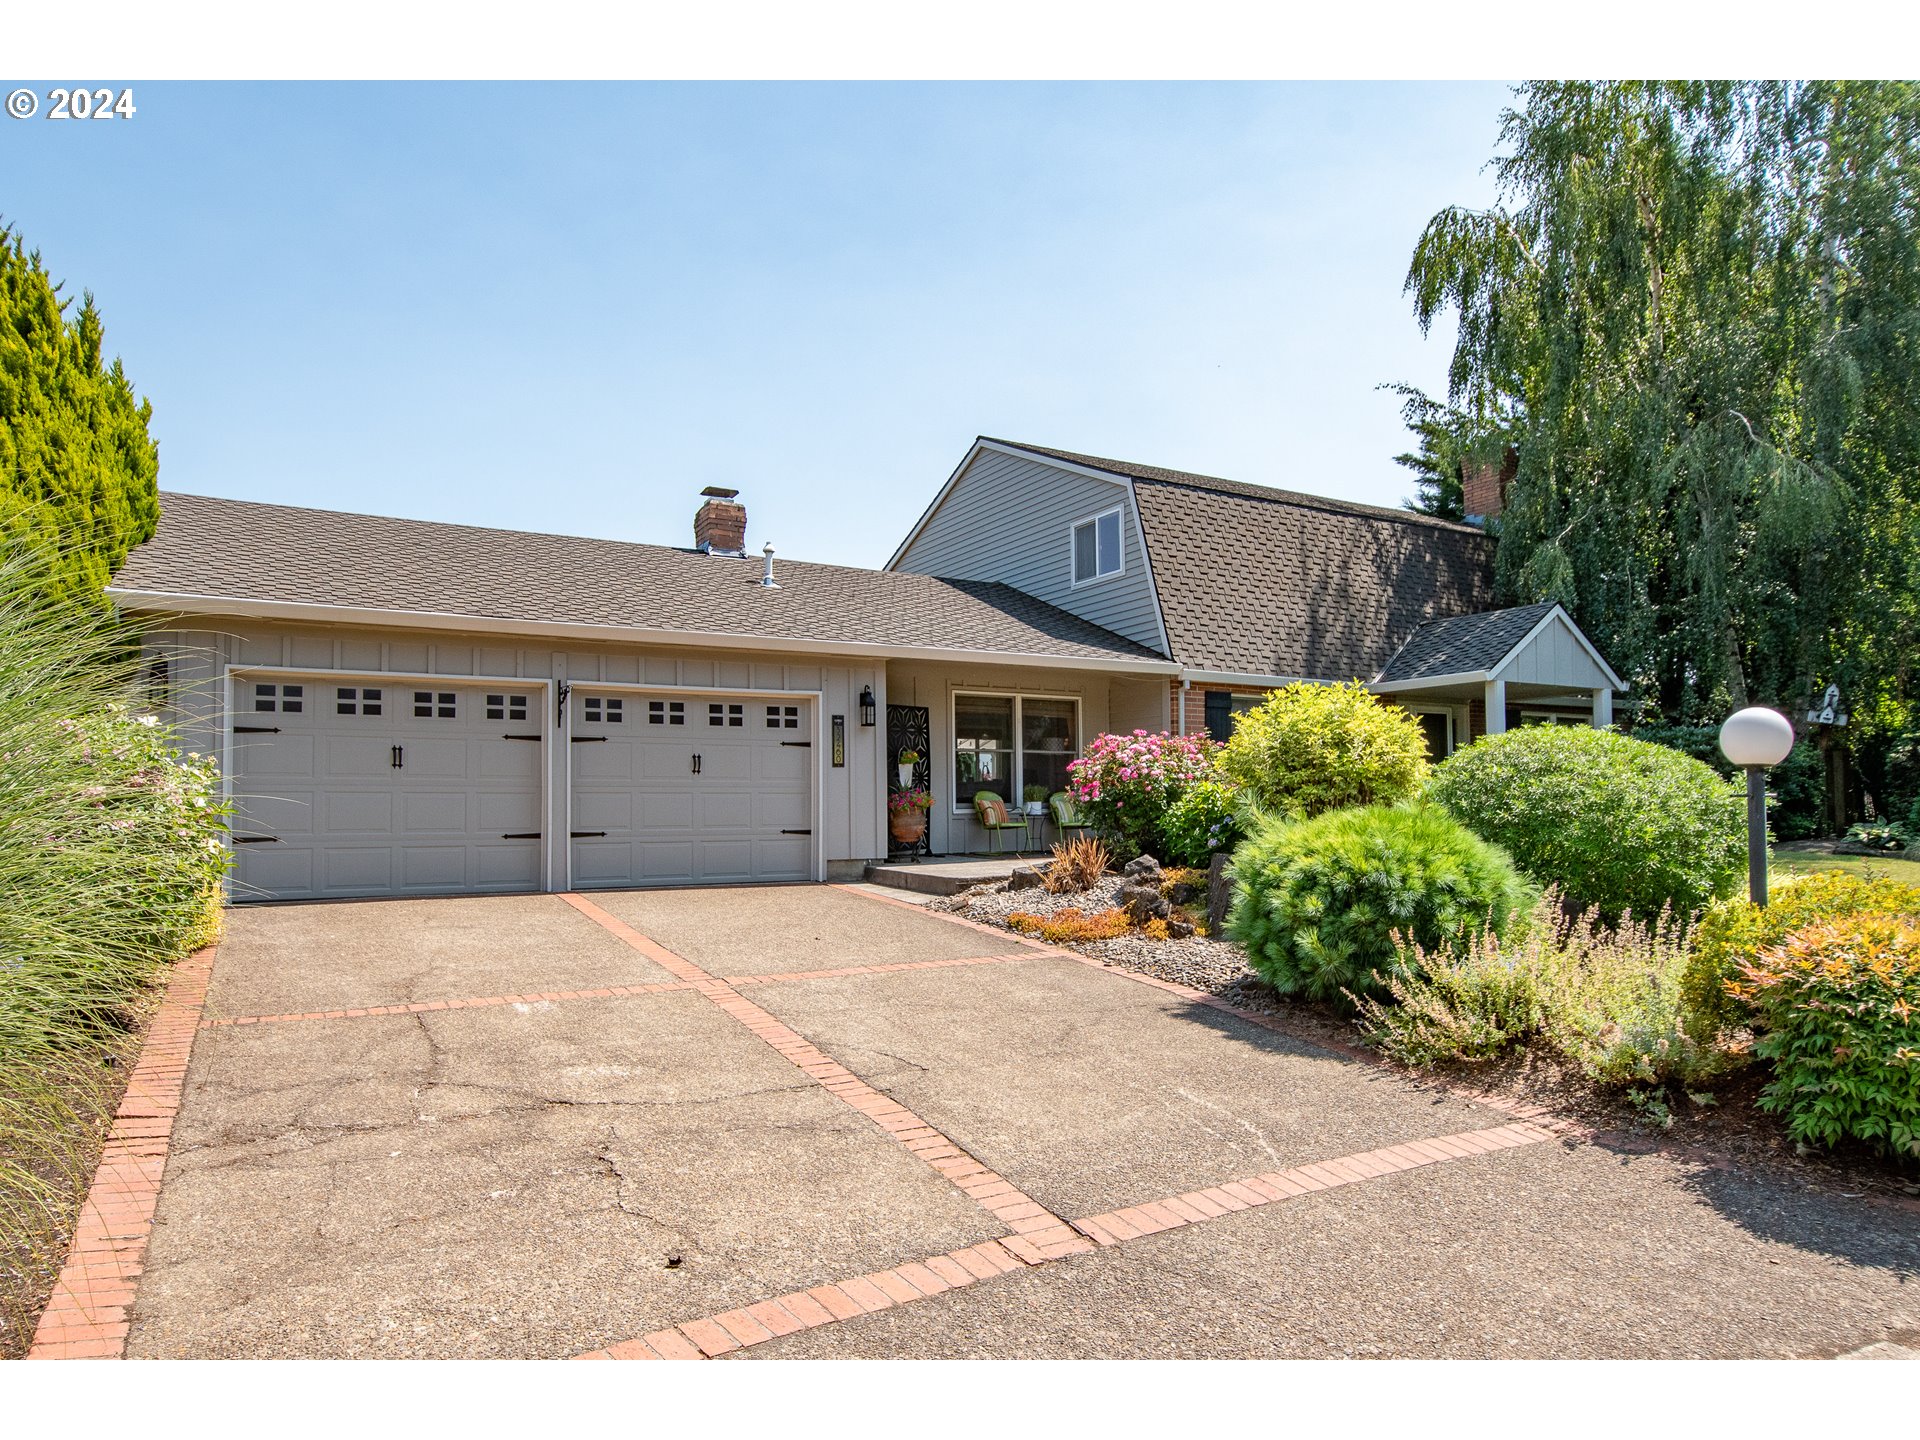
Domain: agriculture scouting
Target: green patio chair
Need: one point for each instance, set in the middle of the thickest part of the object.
(994, 817)
(1067, 818)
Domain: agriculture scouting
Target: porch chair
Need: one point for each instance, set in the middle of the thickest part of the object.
(1067, 818)
(992, 813)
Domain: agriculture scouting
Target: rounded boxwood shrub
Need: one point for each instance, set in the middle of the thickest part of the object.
(1615, 823)
(1203, 820)
(1318, 902)
(1308, 749)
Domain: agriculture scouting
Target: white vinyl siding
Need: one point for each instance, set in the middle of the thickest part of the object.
(1005, 519)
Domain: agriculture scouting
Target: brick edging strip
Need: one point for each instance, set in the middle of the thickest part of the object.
(1038, 1233)
(90, 1312)
(721, 1334)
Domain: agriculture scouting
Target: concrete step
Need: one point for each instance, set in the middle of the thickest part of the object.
(945, 877)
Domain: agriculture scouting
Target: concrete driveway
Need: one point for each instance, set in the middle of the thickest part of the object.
(800, 1121)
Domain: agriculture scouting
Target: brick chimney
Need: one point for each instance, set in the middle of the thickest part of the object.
(720, 525)
(1484, 485)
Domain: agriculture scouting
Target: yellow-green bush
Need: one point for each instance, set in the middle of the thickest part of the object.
(1308, 749)
(1839, 1003)
(1734, 932)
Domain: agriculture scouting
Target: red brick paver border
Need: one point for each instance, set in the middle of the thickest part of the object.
(1038, 1235)
(90, 1311)
(719, 1335)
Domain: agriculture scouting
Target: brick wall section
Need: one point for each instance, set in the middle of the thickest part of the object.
(1191, 702)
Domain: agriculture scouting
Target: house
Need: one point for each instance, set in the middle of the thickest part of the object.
(409, 707)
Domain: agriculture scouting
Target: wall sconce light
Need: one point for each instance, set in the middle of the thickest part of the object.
(867, 706)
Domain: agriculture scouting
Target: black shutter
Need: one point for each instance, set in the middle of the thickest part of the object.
(1219, 715)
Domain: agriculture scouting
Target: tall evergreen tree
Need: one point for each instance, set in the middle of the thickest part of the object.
(78, 471)
(1699, 305)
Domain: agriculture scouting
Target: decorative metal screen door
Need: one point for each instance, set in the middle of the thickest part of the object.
(910, 727)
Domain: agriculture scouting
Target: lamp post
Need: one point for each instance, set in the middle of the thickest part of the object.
(1753, 739)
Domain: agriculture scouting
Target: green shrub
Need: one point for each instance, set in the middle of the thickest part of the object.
(1126, 784)
(1317, 902)
(1796, 788)
(1734, 932)
(1613, 822)
(1308, 749)
(1605, 997)
(110, 842)
(1840, 1005)
(1207, 818)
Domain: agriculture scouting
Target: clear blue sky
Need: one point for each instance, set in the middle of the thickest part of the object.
(570, 307)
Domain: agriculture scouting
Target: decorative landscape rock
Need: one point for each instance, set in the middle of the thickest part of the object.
(1025, 877)
(1139, 893)
(1219, 893)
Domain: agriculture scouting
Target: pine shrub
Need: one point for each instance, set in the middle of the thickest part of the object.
(1613, 822)
(1318, 902)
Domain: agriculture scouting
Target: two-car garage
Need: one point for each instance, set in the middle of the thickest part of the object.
(361, 785)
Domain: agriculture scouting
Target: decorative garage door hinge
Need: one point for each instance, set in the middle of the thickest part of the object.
(520, 737)
(798, 744)
(256, 729)
(256, 839)
(796, 832)
(585, 739)
(587, 834)
(522, 835)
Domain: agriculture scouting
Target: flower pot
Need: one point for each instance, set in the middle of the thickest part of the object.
(907, 826)
(905, 772)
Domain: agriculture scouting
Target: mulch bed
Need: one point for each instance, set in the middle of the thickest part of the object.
(1730, 1131)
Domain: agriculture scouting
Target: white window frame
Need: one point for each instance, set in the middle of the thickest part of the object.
(1554, 717)
(1453, 722)
(1120, 546)
(1018, 697)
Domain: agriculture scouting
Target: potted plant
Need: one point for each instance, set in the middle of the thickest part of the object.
(903, 767)
(907, 816)
(1036, 798)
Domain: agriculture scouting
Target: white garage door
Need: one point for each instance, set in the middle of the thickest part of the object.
(384, 787)
(682, 789)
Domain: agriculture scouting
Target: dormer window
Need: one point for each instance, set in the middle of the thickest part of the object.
(1096, 547)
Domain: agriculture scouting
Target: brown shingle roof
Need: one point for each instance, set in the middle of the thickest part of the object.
(1258, 581)
(240, 550)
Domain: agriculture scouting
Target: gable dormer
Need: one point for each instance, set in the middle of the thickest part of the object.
(1064, 533)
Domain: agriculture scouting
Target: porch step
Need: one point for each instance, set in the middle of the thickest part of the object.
(945, 877)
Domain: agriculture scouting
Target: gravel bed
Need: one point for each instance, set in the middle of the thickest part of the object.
(1218, 967)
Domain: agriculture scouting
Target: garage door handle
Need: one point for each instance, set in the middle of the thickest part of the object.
(256, 729)
(399, 757)
(519, 737)
(587, 834)
(256, 839)
(696, 764)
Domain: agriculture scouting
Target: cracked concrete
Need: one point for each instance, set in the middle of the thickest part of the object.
(497, 1183)
(1091, 1093)
(303, 958)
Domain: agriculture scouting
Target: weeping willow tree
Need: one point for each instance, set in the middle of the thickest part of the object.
(1695, 314)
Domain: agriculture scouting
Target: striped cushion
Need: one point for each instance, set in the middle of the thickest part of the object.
(991, 809)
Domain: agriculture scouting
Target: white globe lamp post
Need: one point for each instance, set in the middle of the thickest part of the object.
(1754, 739)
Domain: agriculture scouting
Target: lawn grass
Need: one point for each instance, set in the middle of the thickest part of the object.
(1807, 862)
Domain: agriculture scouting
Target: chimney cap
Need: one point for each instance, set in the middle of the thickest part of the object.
(719, 492)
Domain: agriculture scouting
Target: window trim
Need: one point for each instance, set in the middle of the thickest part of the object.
(1018, 697)
(1074, 582)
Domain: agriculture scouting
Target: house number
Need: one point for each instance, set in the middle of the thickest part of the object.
(839, 742)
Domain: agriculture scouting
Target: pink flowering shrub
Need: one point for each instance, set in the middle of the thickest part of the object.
(1126, 784)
